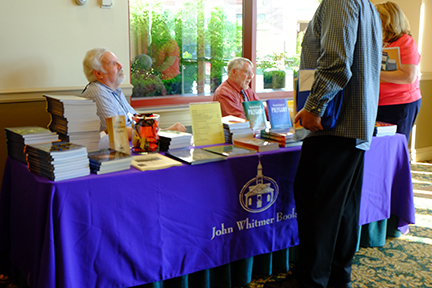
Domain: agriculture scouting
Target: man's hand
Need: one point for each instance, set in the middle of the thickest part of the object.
(309, 121)
(177, 127)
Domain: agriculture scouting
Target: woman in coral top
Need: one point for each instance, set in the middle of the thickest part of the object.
(399, 97)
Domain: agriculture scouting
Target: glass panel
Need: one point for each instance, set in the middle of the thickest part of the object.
(280, 30)
(182, 47)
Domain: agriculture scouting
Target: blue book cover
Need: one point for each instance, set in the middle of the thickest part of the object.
(304, 83)
(278, 113)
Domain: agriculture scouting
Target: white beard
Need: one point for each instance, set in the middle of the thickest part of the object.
(120, 77)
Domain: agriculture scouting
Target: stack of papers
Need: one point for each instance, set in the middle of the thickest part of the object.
(58, 160)
(18, 137)
(74, 119)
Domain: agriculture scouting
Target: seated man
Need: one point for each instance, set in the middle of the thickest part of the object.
(235, 90)
(105, 74)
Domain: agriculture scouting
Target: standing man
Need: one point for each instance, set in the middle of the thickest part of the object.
(105, 74)
(235, 90)
(343, 43)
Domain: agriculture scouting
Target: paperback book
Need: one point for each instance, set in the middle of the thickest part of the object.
(154, 161)
(280, 135)
(232, 122)
(255, 114)
(257, 144)
(235, 127)
(71, 115)
(284, 143)
(278, 112)
(306, 78)
(390, 59)
(194, 156)
(169, 139)
(58, 160)
(18, 137)
(56, 150)
(230, 150)
(384, 129)
(109, 160)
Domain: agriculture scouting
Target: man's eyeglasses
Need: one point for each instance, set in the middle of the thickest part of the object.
(247, 72)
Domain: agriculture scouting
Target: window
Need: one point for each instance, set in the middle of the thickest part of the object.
(281, 23)
(180, 48)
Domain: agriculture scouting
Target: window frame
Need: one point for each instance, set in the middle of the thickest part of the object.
(249, 51)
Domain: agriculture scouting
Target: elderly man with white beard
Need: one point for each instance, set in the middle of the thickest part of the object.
(105, 74)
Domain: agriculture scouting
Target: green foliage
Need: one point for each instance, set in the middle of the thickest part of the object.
(274, 79)
(215, 41)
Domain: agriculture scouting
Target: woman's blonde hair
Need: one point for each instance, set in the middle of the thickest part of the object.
(394, 22)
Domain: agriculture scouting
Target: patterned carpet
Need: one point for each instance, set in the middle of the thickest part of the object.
(402, 262)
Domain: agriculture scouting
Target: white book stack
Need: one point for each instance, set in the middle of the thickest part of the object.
(108, 160)
(169, 139)
(235, 127)
(74, 119)
(58, 160)
(18, 137)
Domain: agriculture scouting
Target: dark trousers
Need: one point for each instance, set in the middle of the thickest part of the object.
(327, 191)
(403, 115)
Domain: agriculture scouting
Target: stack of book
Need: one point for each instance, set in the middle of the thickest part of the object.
(235, 127)
(283, 137)
(384, 129)
(257, 144)
(109, 160)
(58, 160)
(169, 139)
(74, 119)
(18, 137)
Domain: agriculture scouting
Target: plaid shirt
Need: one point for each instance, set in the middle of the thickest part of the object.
(343, 42)
(108, 102)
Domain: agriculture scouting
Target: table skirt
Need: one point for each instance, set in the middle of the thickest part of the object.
(240, 273)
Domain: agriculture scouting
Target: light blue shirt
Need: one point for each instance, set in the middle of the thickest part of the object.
(109, 103)
(343, 42)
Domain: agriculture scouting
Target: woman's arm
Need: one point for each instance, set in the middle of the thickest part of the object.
(406, 75)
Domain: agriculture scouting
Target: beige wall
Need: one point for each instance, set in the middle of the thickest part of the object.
(41, 50)
(43, 44)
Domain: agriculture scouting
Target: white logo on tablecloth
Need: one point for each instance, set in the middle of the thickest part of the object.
(259, 193)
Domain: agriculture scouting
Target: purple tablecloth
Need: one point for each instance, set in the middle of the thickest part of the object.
(131, 227)
(387, 187)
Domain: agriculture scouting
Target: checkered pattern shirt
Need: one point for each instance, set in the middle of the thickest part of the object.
(109, 102)
(343, 42)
